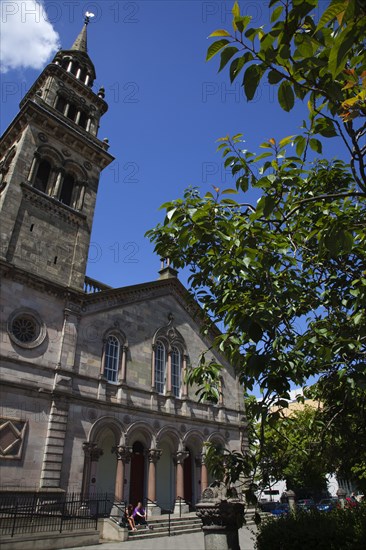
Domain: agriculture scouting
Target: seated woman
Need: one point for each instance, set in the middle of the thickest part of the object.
(139, 515)
(130, 518)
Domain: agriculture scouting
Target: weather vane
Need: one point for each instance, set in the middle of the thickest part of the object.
(88, 15)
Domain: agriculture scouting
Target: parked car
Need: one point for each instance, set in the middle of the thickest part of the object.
(327, 504)
(306, 504)
(281, 510)
(268, 506)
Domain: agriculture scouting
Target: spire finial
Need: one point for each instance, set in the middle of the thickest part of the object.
(88, 15)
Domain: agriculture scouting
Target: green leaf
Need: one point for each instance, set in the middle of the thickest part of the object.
(229, 192)
(241, 23)
(286, 96)
(285, 141)
(237, 65)
(339, 53)
(331, 13)
(236, 10)
(284, 52)
(316, 145)
(276, 13)
(300, 142)
(226, 55)
(219, 32)
(325, 127)
(274, 77)
(216, 47)
(251, 80)
(269, 204)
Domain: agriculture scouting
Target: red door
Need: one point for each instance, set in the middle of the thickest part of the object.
(137, 474)
(187, 468)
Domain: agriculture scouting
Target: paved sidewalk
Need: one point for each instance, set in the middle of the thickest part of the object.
(192, 541)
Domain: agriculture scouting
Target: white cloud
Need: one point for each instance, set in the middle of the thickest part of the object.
(27, 37)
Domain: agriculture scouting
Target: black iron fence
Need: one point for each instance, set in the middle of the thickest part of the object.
(36, 513)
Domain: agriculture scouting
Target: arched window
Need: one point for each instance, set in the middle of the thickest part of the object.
(160, 365)
(67, 189)
(60, 104)
(72, 112)
(169, 361)
(176, 369)
(112, 358)
(42, 175)
(83, 120)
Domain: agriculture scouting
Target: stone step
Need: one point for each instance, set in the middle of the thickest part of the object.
(151, 533)
(160, 527)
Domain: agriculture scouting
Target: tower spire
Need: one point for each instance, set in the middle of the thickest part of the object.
(80, 43)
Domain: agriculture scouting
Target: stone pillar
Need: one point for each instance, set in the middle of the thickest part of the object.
(222, 515)
(123, 455)
(87, 448)
(204, 473)
(291, 500)
(184, 374)
(153, 366)
(95, 455)
(59, 178)
(153, 457)
(34, 166)
(123, 364)
(341, 494)
(180, 505)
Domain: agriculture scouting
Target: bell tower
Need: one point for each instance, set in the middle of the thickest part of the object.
(50, 164)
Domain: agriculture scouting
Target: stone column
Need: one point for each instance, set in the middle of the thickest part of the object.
(184, 374)
(34, 166)
(123, 455)
(95, 455)
(291, 500)
(87, 448)
(153, 366)
(204, 473)
(341, 494)
(180, 505)
(59, 178)
(153, 457)
(222, 515)
(123, 364)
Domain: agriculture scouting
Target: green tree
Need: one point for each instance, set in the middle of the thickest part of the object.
(292, 453)
(286, 276)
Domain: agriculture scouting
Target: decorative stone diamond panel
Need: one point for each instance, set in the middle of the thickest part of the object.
(12, 435)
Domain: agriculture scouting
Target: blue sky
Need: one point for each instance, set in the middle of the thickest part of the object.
(167, 107)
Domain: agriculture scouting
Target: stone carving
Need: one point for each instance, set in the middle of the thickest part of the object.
(154, 455)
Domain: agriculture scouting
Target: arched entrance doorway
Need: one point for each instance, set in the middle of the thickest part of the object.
(188, 477)
(104, 473)
(137, 475)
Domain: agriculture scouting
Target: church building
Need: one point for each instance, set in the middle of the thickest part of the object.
(94, 398)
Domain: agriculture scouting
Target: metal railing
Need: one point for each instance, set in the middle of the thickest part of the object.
(36, 513)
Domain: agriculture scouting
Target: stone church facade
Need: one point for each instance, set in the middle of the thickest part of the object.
(94, 397)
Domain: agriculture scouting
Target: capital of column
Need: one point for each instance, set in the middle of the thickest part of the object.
(198, 460)
(180, 456)
(88, 447)
(123, 453)
(92, 451)
(154, 455)
(95, 454)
